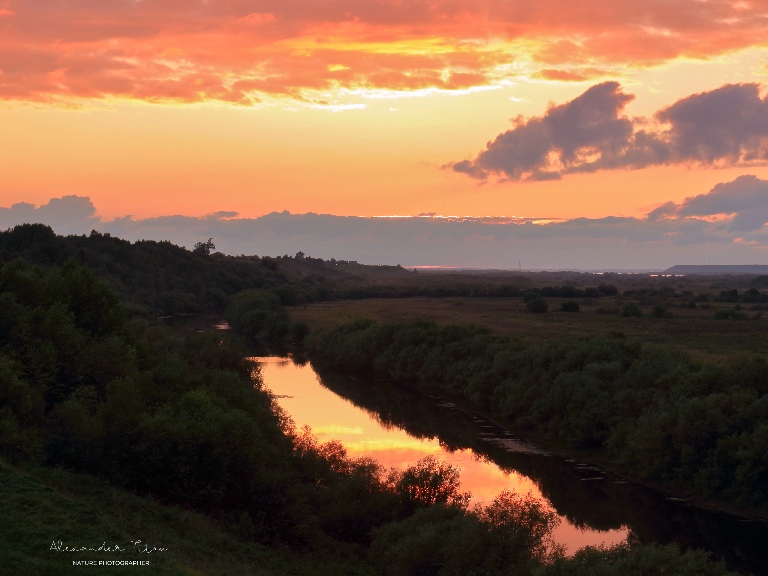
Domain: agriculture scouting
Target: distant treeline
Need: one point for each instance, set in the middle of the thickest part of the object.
(650, 412)
(749, 296)
(152, 277)
(161, 278)
(503, 291)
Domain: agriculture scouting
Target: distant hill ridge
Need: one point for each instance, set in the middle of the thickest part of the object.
(713, 269)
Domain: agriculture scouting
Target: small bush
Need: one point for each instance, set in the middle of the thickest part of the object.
(608, 289)
(569, 306)
(531, 295)
(660, 311)
(630, 309)
(732, 314)
(537, 305)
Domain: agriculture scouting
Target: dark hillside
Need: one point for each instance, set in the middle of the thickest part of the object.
(163, 278)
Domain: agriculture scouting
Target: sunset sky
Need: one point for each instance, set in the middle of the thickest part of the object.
(548, 110)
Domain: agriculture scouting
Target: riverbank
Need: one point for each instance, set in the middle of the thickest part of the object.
(595, 459)
(648, 413)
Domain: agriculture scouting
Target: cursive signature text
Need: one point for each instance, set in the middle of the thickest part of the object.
(136, 546)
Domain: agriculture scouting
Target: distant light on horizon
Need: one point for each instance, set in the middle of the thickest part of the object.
(479, 219)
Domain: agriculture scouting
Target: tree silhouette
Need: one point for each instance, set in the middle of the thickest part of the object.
(204, 248)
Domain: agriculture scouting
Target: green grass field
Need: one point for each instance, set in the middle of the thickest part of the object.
(695, 331)
(40, 505)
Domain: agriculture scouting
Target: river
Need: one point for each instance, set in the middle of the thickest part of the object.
(397, 426)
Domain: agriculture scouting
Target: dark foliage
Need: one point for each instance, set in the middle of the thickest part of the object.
(629, 310)
(182, 417)
(569, 306)
(537, 305)
(661, 311)
(159, 278)
(652, 412)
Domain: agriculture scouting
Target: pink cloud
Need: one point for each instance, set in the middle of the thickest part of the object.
(727, 126)
(256, 19)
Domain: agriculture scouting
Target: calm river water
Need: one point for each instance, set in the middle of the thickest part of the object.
(397, 427)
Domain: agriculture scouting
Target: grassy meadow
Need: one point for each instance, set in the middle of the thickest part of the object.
(695, 331)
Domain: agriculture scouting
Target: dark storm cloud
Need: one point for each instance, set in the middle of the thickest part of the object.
(724, 127)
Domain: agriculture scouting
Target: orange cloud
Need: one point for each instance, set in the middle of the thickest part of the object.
(575, 75)
(241, 50)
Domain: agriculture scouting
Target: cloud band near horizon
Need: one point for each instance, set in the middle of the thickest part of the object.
(727, 223)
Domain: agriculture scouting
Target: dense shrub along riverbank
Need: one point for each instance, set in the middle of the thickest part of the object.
(652, 413)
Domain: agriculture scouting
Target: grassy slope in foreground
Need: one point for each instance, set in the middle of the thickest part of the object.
(40, 505)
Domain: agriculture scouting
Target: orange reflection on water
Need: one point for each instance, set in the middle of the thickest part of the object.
(330, 416)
